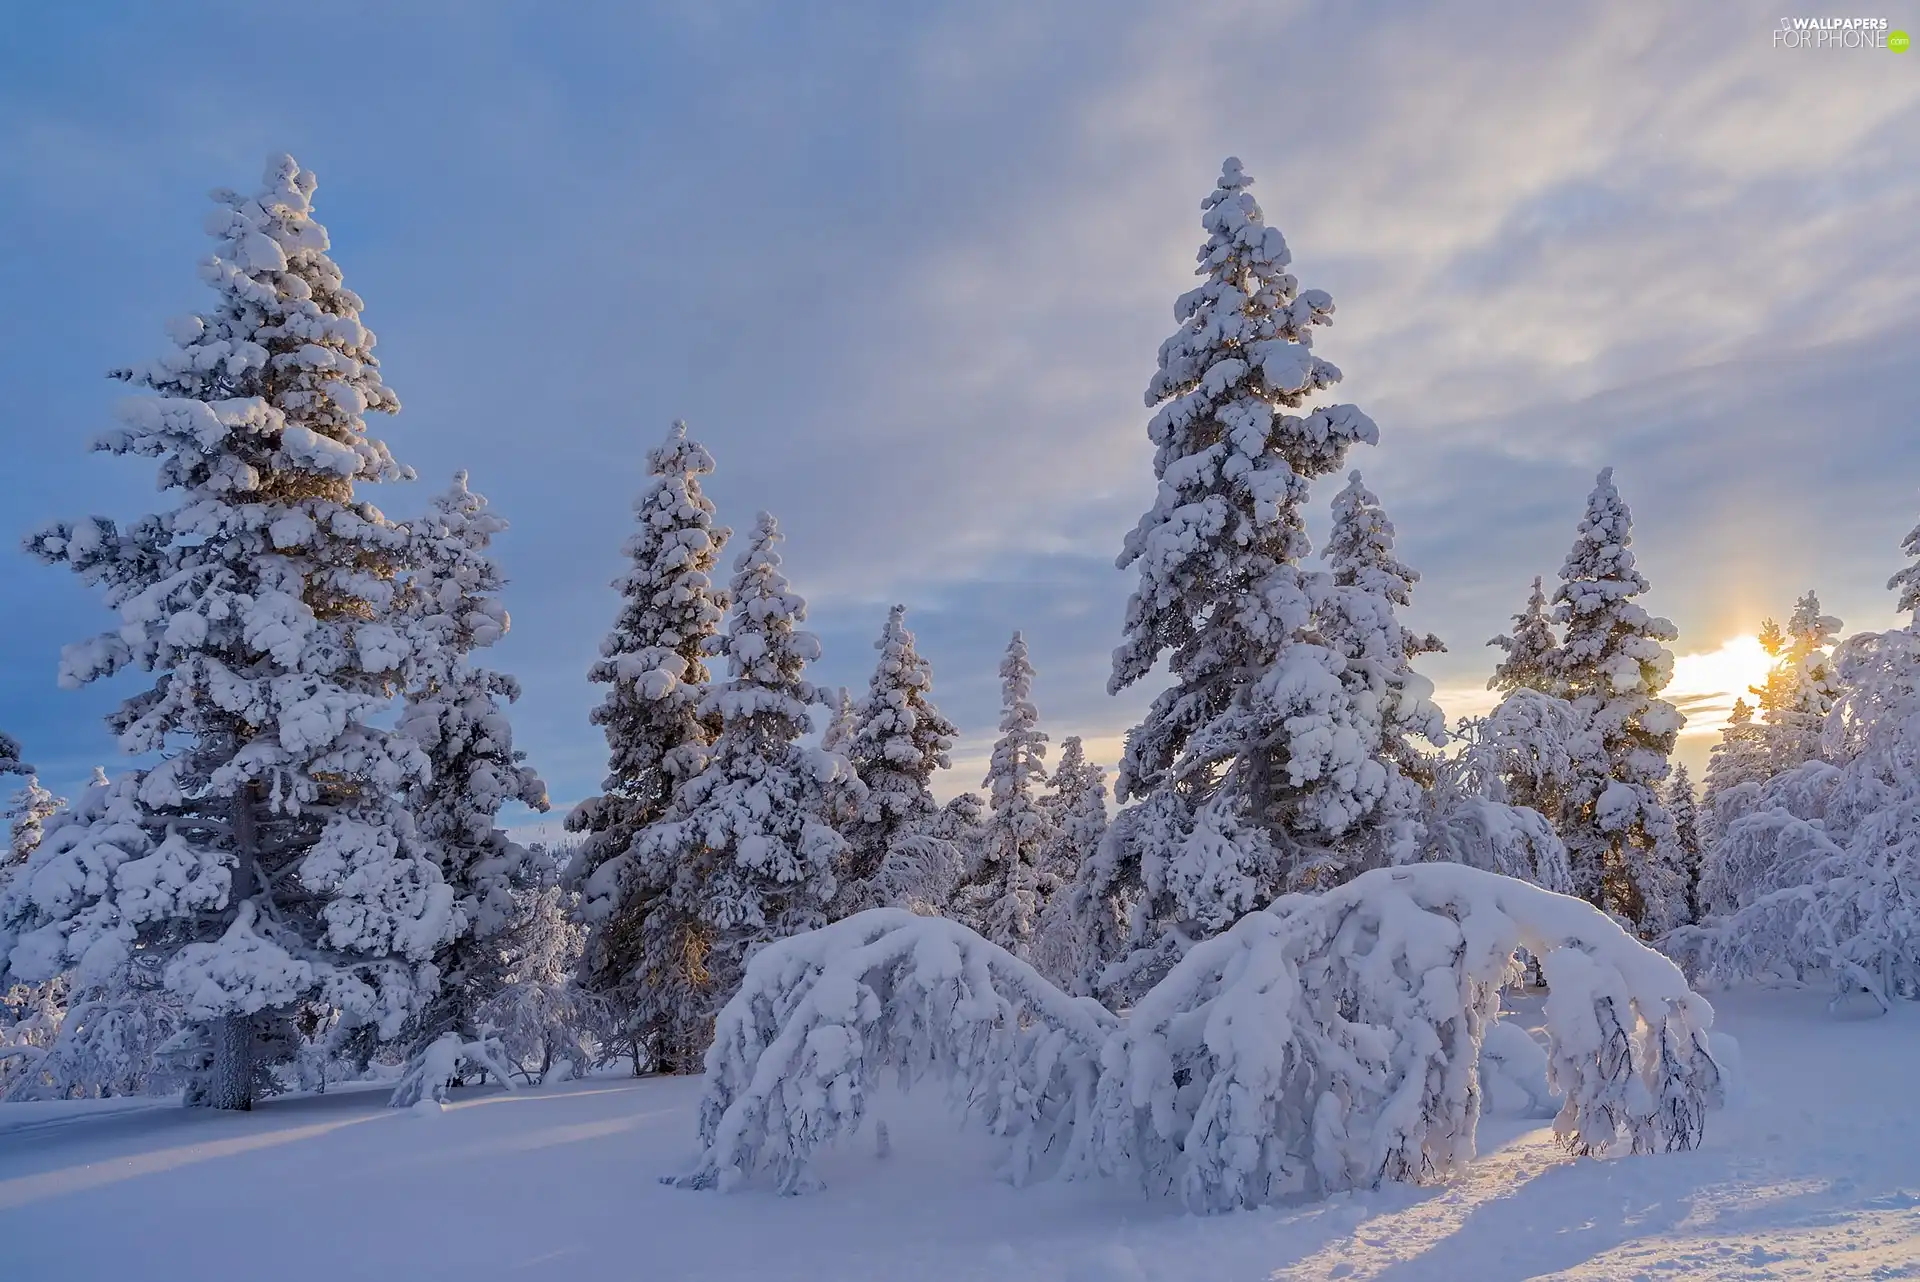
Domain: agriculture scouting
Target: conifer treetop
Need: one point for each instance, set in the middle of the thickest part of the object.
(1233, 467)
(1017, 755)
(1529, 648)
(1612, 644)
(765, 648)
(1906, 580)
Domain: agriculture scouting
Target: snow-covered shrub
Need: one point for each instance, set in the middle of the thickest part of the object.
(1467, 815)
(433, 1071)
(1330, 1041)
(821, 1015)
(101, 1041)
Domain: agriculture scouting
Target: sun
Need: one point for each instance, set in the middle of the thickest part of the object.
(1705, 685)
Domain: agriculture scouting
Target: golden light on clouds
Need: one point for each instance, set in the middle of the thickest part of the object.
(1704, 686)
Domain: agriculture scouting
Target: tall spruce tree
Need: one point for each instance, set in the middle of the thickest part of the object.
(1007, 889)
(653, 664)
(1254, 759)
(456, 711)
(896, 740)
(265, 856)
(1529, 649)
(1613, 666)
(748, 840)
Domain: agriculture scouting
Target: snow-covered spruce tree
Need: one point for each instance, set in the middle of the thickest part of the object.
(1254, 760)
(897, 739)
(1686, 833)
(456, 711)
(1083, 925)
(1076, 809)
(641, 952)
(1535, 734)
(1529, 649)
(1800, 689)
(748, 839)
(1006, 888)
(1358, 617)
(1613, 665)
(267, 855)
(1739, 758)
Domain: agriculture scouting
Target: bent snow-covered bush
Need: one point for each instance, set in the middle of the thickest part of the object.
(819, 1016)
(1328, 1042)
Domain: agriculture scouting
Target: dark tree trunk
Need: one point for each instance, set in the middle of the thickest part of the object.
(231, 1082)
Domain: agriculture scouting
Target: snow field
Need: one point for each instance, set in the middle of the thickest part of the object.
(1815, 1173)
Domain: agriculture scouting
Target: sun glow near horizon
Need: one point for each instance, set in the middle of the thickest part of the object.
(1706, 683)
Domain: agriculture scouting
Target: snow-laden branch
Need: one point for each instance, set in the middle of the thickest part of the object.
(1330, 1041)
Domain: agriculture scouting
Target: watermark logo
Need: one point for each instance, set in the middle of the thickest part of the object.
(1839, 33)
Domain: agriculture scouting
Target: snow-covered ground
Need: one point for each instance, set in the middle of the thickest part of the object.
(1813, 1173)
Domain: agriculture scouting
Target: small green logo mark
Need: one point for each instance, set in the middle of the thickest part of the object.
(1898, 41)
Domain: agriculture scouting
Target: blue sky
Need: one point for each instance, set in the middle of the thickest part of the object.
(905, 268)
